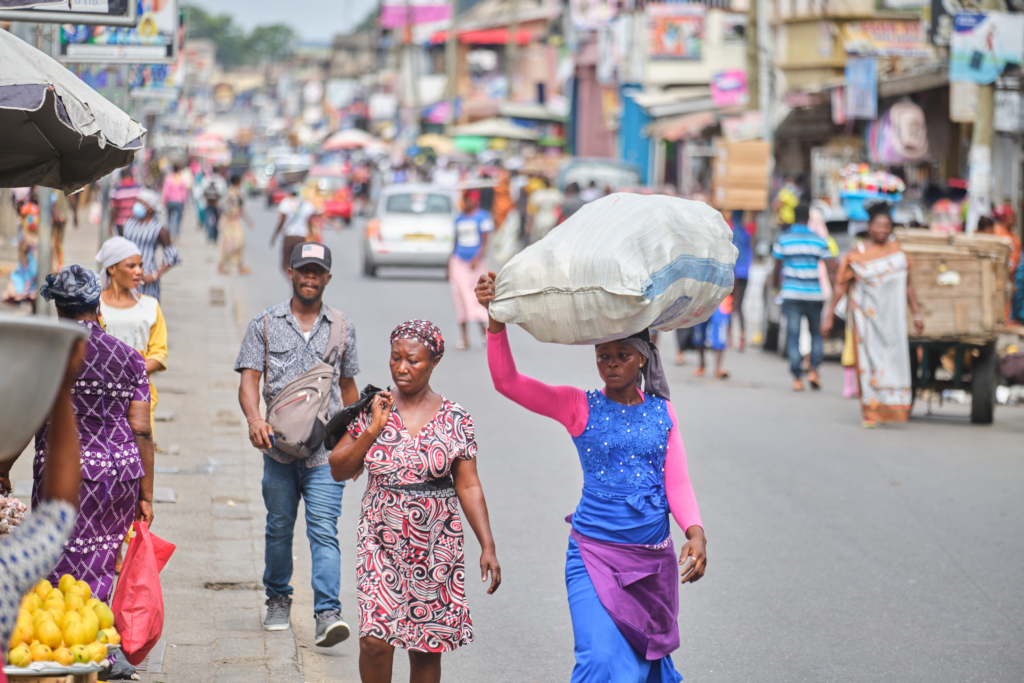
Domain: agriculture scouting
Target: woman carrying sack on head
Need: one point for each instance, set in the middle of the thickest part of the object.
(634, 474)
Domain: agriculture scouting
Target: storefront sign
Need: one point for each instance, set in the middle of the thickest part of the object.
(983, 44)
(729, 88)
(886, 39)
(398, 14)
(861, 88)
(1007, 113)
(675, 31)
(154, 40)
(591, 14)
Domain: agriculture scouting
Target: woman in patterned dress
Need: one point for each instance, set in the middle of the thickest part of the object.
(419, 451)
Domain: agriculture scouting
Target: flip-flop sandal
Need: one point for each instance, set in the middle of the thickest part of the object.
(722, 374)
(699, 372)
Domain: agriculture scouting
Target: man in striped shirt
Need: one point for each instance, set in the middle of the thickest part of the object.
(797, 253)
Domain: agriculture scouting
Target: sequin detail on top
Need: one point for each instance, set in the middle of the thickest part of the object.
(625, 445)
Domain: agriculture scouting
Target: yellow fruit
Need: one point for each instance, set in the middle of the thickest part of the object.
(20, 656)
(112, 636)
(73, 602)
(48, 634)
(63, 656)
(105, 615)
(66, 582)
(101, 637)
(57, 612)
(97, 652)
(31, 601)
(54, 594)
(43, 587)
(91, 602)
(70, 617)
(74, 634)
(41, 653)
(91, 624)
(79, 654)
(23, 633)
(39, 616)
(86, 590)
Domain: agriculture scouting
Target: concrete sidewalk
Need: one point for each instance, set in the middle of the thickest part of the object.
(212, 586)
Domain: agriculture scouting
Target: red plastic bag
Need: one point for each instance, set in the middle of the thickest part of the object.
(138, 603)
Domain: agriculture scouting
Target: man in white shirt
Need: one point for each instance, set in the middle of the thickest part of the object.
(294, 215)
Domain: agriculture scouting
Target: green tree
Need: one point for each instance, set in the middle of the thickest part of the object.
(235, 47)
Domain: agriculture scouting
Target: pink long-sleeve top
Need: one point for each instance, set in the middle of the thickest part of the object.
(570, 407)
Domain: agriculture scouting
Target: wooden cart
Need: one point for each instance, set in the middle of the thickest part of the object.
(962, 284)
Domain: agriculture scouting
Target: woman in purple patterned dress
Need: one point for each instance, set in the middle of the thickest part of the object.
(420, 453)
(111, 400)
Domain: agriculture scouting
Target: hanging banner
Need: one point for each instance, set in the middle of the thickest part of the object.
(591, 14)
(398, 14)
(729, 88)
(983, 44)
(862, 88)
(963, 102)
(675, 31)
(886, 39)
(154, 40)
(1007, 112)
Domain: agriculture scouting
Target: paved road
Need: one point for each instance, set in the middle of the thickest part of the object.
(835, 553)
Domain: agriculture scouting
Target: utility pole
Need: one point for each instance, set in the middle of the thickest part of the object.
(44, 253)
(512, 47)
(979, 175)
(764, 67)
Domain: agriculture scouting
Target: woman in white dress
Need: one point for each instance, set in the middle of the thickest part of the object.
(135, 319)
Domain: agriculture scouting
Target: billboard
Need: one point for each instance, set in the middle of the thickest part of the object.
(104, 12)
(983, 44)
(153, 41)
(675, 30)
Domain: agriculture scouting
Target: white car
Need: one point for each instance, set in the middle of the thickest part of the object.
(412, 225)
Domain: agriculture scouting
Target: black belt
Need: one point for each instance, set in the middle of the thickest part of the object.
(434, 488)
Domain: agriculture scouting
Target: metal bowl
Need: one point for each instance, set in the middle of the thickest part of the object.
(33, 355)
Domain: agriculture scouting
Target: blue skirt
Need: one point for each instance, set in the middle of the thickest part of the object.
(602, 653)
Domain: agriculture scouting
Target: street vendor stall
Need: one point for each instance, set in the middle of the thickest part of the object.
(961, 284)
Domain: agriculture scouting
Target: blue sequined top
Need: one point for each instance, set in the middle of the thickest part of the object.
(622, 451)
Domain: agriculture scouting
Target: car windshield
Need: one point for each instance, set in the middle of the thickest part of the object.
(415, 202)
(328, 183)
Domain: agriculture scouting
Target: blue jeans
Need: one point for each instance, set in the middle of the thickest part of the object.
(212, 218)
(174, 210)
(794, 310)
(283, 486)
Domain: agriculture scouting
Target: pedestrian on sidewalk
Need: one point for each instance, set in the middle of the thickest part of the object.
(146, 229)
(468, 263)
(174, 194)
(713, 334)
(797, 253)
(136, 319)
(634, 473)
(419, 450)
(122, 199)
(294, 218)
(28, 555)
(877, 276)
(282, 342)
(111, 402)
(232, 235)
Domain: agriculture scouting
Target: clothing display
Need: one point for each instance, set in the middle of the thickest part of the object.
(410, 565)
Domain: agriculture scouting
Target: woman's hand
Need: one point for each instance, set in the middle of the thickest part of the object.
(489, 564)
(918, 325)
(826, 322)
(485, 289)
(380, 412)
(693, 557)
(144, 512)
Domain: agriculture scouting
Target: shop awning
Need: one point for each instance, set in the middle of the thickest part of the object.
(488, 36)
(682, 127)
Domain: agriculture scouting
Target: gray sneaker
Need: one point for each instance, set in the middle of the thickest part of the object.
(330, 628)
(279, 608)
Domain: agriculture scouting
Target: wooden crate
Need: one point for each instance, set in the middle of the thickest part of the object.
(961, 283)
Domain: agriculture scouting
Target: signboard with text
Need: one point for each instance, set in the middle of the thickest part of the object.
(153, 41)
(675, 31)
(93, 12)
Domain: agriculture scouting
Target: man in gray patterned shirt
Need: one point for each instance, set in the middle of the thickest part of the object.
(290, 338)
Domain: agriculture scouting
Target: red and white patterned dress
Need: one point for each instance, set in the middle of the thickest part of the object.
(410, 567)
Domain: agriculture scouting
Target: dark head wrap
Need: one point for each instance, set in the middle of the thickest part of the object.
(423, 331)
(652, 374)
(73, 290)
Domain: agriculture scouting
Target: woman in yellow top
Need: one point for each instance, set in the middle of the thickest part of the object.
(135, 319)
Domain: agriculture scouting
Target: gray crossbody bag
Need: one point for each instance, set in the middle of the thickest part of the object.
(298, 414)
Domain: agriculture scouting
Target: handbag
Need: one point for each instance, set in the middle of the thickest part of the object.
(298, 413)
(338, 425)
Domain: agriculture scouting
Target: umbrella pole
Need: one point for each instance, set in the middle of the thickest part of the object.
(44, 254)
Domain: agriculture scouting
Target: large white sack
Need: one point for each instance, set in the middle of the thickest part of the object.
(619, 265)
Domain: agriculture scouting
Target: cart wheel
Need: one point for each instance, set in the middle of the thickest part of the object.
(983, 386)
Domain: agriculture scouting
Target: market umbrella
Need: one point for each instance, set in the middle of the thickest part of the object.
(57, 131)
(495, 128)
(441, 145)
(348, 139)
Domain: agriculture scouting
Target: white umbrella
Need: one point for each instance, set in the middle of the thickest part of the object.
(495, 128)
(348, 139)
(57, 131)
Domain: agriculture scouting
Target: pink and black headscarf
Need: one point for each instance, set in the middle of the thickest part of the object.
(423, 331)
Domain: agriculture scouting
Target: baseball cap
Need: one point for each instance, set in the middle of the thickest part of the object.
(311, 252)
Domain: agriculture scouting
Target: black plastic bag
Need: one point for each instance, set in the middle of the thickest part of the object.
(338, 424)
